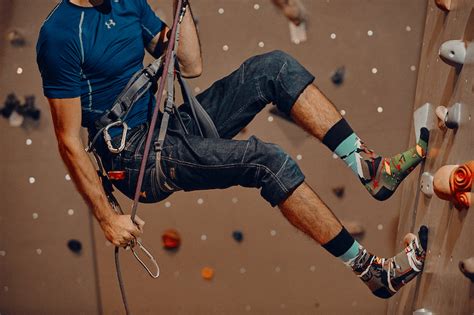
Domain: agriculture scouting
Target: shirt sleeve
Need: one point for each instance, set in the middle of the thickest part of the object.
(151, 24)
(60, 67)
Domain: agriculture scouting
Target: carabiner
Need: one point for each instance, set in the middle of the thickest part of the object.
(108, 138)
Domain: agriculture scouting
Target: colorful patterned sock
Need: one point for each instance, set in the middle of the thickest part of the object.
(380, 176)
(383, 276)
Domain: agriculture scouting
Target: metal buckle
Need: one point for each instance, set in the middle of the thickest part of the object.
(108, 138)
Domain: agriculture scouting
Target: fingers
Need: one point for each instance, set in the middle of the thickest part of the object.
(140, 223)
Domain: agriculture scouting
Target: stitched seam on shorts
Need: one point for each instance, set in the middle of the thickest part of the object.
(235, 114)
(242, 75)
(224, 166)
(245, 152)
(283, 165)
(260, 93)
(279, 72)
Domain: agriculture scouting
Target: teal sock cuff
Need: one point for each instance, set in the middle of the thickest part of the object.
(351, 253)
(347, 146)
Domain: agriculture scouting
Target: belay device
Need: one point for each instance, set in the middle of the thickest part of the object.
(138, 85)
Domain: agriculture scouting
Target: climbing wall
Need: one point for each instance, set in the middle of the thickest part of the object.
(375, 47)
(442, 289)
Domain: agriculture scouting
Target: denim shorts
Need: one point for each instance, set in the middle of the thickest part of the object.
(190, 162)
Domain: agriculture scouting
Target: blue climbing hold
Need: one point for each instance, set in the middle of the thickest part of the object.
(238, 236)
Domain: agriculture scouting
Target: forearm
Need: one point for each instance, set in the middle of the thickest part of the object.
(85, 178)
(189, 48)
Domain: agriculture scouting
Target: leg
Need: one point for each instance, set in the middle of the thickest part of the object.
(381, 176)
(384, 277)
(233, 101)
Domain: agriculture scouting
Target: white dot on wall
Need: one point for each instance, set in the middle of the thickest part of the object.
(261, 44)
(412, 68)
(334, 156)
(380, 109)
(248, 308)
(29, 141)
(225, 48)
(312, 268)
(200, 201)
(256, 6)
(203, 237)
(375, 70)
(299, 157)
(197, 89)
(19, 70)
(333, 35)
(221, 11)
(32, 180)
(243, 270)
(35, 215)
(380, 227)
(3, 253)
(273, 232)
(370, 33)
(277, 269)
(270, 118)
(235, 200)
(67, 177)
(70, 211)
(343, 112)
(39, 251)
(5, 288)
(167, 204)
(408, 28)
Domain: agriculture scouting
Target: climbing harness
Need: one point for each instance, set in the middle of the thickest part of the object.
(138, 85)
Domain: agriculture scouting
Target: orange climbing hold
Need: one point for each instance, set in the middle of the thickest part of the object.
(207, 273)
(454, 183)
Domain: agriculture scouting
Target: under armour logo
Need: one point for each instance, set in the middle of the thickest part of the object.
(110, 23)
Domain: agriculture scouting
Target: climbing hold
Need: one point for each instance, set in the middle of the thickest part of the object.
(453, 51)
(426, 184)
(16, 39)
(467, 268)
(207, 273)
(444, 4)
(424, 117)
(454, 183)
(422, 311)
(292, 9)
(338, 76)
(29, 109)
(171, 239)
(339, 191)
(238, 236)
(296, 14)
(11, 105)
(449, 117)
(75, 246)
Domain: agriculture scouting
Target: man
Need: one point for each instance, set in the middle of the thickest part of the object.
(89, 49)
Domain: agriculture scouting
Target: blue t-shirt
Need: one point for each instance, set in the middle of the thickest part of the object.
(93, 52)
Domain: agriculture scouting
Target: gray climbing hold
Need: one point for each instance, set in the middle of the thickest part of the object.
(453, 51)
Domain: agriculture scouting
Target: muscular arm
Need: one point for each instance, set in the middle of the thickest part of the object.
(189, 48)
(66, 114)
